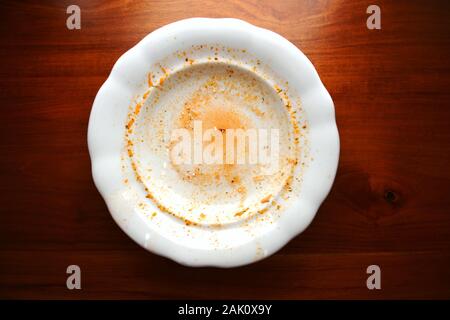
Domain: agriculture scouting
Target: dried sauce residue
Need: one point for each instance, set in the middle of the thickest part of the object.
(221, 120)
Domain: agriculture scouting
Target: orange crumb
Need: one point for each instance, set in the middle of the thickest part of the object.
(130, 123)
(266, 198)
(138, 108)
(149, 78)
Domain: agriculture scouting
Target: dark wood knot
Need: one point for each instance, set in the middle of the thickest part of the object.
(390, 196)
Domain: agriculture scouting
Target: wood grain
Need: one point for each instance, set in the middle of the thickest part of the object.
(389, 205)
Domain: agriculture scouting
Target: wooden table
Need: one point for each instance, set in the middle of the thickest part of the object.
(389, 206)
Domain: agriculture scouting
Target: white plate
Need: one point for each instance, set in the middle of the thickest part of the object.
(142, 193)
